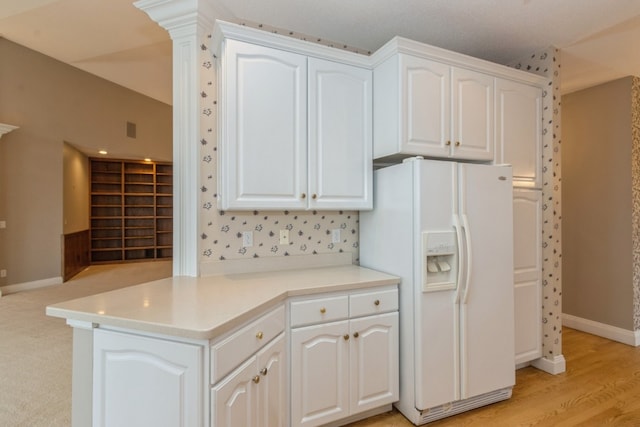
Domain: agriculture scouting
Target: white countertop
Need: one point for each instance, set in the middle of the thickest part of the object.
(205, 307)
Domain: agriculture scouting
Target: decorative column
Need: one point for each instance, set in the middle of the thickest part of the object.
(186, 21)
(6, 129)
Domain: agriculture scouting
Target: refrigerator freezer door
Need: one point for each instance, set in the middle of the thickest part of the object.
(436, 314)
(486, 309)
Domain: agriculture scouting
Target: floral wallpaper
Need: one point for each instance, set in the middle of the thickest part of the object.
(547, 63)
(310, 232)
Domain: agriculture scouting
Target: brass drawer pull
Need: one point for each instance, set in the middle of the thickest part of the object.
(256, 379)
(376, 302)
(457, 143)
(323, 310)
(356, 335)
(346, 337)
(259, 335)
(264, 371)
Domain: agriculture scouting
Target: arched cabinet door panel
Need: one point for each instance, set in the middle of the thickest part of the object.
(145, 382)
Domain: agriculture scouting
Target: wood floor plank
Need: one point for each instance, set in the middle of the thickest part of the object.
(601, 387)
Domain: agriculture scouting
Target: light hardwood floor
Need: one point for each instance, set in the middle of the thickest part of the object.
(601, 387)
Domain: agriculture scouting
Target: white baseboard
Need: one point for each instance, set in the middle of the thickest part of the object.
(614, 333)
(11, 289)
(554, 366)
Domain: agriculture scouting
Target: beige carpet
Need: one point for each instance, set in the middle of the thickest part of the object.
(35, 350)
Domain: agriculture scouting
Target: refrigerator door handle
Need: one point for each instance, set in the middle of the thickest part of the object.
(457, 227)
(467, 255)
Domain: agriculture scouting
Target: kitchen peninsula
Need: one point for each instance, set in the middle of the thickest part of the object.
(194, 351)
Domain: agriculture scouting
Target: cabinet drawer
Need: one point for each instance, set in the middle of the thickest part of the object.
(376, 302)
(319, 310)
(228, 353)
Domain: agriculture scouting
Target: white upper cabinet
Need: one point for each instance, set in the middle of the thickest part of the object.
(428, 108)
(425, 126)
(295, 129)
(340, 141)
(472, 115)
(263, 151)
(519, 131)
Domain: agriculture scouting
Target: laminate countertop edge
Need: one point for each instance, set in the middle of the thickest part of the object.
(204, 308)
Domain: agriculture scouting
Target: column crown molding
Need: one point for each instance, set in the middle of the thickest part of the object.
(179, 17)
(6, 129)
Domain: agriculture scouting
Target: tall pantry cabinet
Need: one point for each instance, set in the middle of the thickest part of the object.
(519, 143)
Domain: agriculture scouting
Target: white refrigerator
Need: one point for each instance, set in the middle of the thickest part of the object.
(446, 229)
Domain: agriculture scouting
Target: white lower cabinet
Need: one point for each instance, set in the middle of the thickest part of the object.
(234, 399)
(343, 362)
(345, 367)
(527, 260)
(319, 374)
(142, 381)
(373, 361)
(253, 394)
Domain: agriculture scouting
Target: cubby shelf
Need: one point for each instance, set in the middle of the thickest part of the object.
(131, 210)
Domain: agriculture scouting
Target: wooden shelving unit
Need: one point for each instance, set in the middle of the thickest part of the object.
(131, 210)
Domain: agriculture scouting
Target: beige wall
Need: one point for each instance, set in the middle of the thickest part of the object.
(597, 204)
(53, 102)
(75, 190)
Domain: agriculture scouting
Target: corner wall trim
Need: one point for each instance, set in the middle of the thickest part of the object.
(11, 289)
(614, 333)
(554, 366)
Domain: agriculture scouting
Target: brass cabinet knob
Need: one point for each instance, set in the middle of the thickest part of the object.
(303, 195)
(346, 337)
(314, 196)
(376, 302)
(256, 379)
(356, 335)
(323, 310)
(264, 371)
(259, 335)
(457, 143)
(447, 143)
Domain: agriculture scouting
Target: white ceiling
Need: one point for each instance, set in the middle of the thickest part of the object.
(114, 40)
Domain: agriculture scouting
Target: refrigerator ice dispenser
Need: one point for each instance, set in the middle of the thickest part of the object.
(439, 260)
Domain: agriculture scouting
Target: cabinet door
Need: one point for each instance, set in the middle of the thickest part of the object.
(319, 374)
(519, 131)
(527, 260)
(272, 387)
(425, 112)
(374, 361)
(340, 136)
(145, 382)
(234, 398)
(472, 117)
(264, 128)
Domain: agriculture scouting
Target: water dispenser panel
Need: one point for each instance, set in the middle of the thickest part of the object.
(439, 260)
